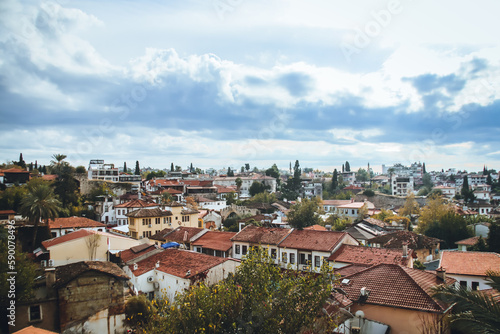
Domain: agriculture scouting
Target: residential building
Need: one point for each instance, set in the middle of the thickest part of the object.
(469, 268)
(395, 295)
(351, 210)
(330, 206)
(425, 248)
(464, 244)
(266, 237)
(247, 181)
(214, 243)
(62, 226)
(98, 170)
(182, 235)
(119, 212)
(172, 271)
(401, 185)
(13, 176)
(308, 249)
(143, 223)
(448, 192)
(82, 245)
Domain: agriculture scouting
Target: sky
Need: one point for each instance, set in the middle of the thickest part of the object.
(221, 83)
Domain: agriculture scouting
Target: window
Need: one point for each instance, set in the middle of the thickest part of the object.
(35, 313)
(244, 250)
(316, 261)
(463, 284)
(157, 220)
(237, 249)
(292, 258)
(185, 218)
(273, 253)
(475, 285)
(131, 221)
(284, 257)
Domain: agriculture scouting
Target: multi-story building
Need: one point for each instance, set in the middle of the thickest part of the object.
(401, 185)
(247, 181)
(98, 170)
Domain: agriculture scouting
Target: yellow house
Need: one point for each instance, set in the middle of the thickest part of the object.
(143, 223)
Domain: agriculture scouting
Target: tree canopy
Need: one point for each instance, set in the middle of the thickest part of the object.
(305, 213)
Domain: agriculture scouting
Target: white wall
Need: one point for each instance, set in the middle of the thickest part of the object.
(469, 280)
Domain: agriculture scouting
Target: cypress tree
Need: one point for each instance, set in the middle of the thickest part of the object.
(125, 167)
(137, 169)
(347, 166)
(335, 181)
(423, 168)
(172, 167)
(36, 164)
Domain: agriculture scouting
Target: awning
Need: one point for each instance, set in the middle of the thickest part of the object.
(170, 245)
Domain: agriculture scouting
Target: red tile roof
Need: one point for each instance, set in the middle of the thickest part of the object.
(49, 177)
(134, 252)
(261, 235)
(136, 203)
(181, 234)
(178, 262)
(316, 228)
(469, 263)
(468, 242)
(399, 238)
(67, 237)
(396, 286)
(369, 255)
(215, 240)
(154, 212)
(323, 241)
(336, 202)
(34, 330)
(74, 222)
(66, 273)
(7, 212)
(13, 170)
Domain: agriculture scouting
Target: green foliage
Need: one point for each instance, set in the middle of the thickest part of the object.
(418, 265)
(347, 166)
(338, 223)
(449, 228)
(154, 174)
(138, 311)
(410, 207)
(238, 182)
(335, 181)
(229, 172)
(256, 188)
(80, 170)
(494, 237)
(263, 197)
(230, 198)
(427, 181)
(137, 169)
(473, 311)
(274, 172)
(362, 175)
(466, 192)
(10, 198)
(369, 193)
(247, 167)
(480, 246)
(259, 298)
(99, 190)
(305, 213)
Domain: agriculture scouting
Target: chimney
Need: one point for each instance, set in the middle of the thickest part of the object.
(50, 277)
(136, 266)
(157, 265)
(352, 199)
(328, 227)
(441, 273)
(405, 251)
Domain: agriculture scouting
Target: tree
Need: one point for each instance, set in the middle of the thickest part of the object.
(263, 197)
(40, 204)
(274, 172)
(125, 170)
(362, 175)
(172, 167)
(305, 213)
(423, 168)
(473, 311)
(466, 192)
(259, 298)
(489, 180)
(347, 166)
(450, 228)
(296, 176)
(335, 181)
(138, 311)
(256, 188)
(137, 169)
(190, 202)
(410, 207)
(493, 239)
(247, 167)
(338, 223)
(362, 213)
(238, 182)
(229, 172)
(435, 209)
(21, 163)
(80, 170)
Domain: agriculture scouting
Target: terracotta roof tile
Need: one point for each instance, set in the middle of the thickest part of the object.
(323, 241)
(154, 212)
(136, 203)
(261, 235)
(134, 252)
(13, 170)
(220, 241)
(469, 263)
(73, 222)
(66, 273)
(396, 286)
(181, 234)
(399, 238)
(34, 330)
(178, 262)
(368, 255)
(67, 237)
(468, 242)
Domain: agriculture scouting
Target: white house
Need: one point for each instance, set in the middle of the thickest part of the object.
(62, 226)
(469, 268)
(401, 185)
(172, 271)
(448, 192)
(247, 182)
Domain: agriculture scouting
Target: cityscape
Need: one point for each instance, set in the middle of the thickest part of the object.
(232, 166)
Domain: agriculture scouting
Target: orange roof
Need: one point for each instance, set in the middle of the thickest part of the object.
(136, 251)
(468, 242)
(215, 240)
(315, 228)
(181, 234)
(369, 255)
(33, 330)
(396, 286)
(136, 203)
(261, 235)
(49, 177)
(323, 241)
(178, 262)
(7, 212)
(469, 263)
(67, 237)
(14, 170)
(336, 202)
(72, 222)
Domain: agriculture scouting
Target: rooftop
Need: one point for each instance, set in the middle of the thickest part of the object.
(369, 255)
(469, 263)
(468, 242)
(215, 240)
(33, 330)
(136, 203)
(178, 262)
(181, 234)
(396, 286)
(399, 238)
(136, 251)
(323, 241)
(74, 222)
(261, 235)
(65, 274)
(154, 212)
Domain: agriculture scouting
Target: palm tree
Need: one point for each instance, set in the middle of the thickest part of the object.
(57, 163)
(239, 182)
(473, 311)
(40, 204)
